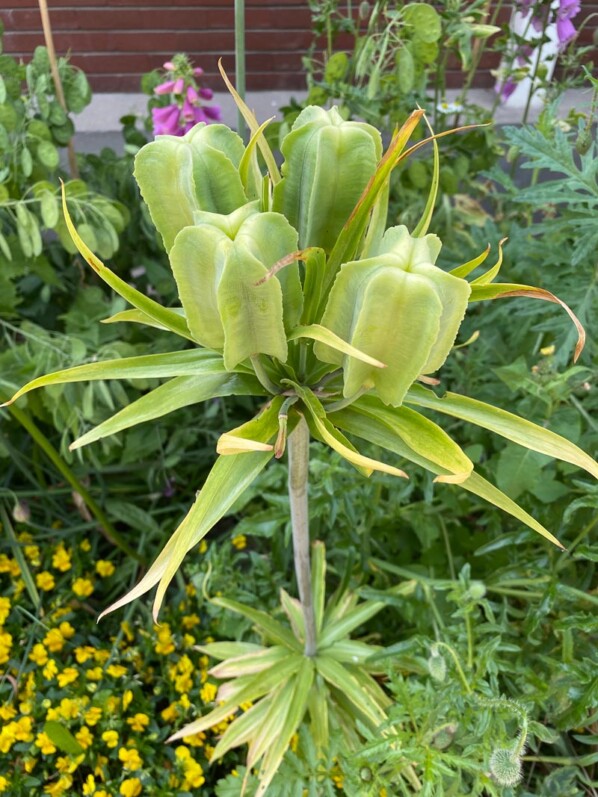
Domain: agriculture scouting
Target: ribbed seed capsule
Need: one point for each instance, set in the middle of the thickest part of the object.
(219, 265)
(328, 163)
(397, 308)
(179, 176)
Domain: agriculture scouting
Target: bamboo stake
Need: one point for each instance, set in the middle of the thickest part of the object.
(47, 28)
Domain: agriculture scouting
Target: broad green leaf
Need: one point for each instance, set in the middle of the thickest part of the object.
(518, 430)
(228, 479)
(480, 293)
(272, 629)
(323, 335)
(519, 470)
(167, 318)
(333, 632)
(242, 729)
(297, 706)
(420, 435)
(149, 366)
(182, 391)
(250, 663)
(347, 684)
(62, 738)
(373, 430)
(252, 688)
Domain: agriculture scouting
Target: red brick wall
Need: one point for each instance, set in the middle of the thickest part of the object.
(115, 41)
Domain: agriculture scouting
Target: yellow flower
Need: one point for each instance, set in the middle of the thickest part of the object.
(208, 692)
(85, 545)
(4, 609)
(165, 644)
(23, 729)
(7, 712)
(45, 581)
(61, 560)
(62, 785)
(5, 646)
(203, 546)
(116, 670)
(83, 653)
(67, 676)
(190, 621)
(32, 553)
(68, 765)
(50, 670)
(131, 787)
(170, 713)
(39, 654)
(127, 699)
(8, 565)
(92, 716)
(67, 710)
(95, 674)
(84, 737)
(89, 787)
(240, 542)
(4, 784)
(111, 738)
(56, 637)
(45, 744)
(196, 739)
(130, 758)
(101, 656)
(139, 722)
(82, 587)
(104, 568)
(127, 630)
(66, 629)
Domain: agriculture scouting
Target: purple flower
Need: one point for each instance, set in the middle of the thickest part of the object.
(166, 121)
(206, 93)
(169, 66)
(507, 88)
(165, 88)
(213, 112)
(565, 29)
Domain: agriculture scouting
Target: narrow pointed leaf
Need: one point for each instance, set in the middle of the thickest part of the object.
(317, 705)
(162, 315)
(138, 317)
(342, 628)
(272, 629)
(512, 427)
(272, 724)
(181, 391)
(253, 125)
(323, 335)
(249, 170)
(150, 366)
(294, 717)
(351, 651)
(347, 684)
(465, 269)
(294, 611)
(229, 650)
(253, 688)
(369, 428)
(318, 582)
(420, 434)
(227, 480)
(500, 290)
(424, 223)
(242, 729)
(486, 278)
(249, 663)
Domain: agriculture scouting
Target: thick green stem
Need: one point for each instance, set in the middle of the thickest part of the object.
(298, 477)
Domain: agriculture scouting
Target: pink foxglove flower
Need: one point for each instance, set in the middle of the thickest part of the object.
(565, 29)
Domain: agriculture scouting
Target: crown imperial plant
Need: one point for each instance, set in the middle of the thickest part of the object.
(292, 290)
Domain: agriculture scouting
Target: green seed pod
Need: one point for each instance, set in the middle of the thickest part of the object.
(436, 665)
(505, 766)
(179, 176)
(328, 163)
(398, 308)
(220, 264)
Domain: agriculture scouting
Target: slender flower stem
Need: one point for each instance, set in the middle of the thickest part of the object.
(298, 445)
